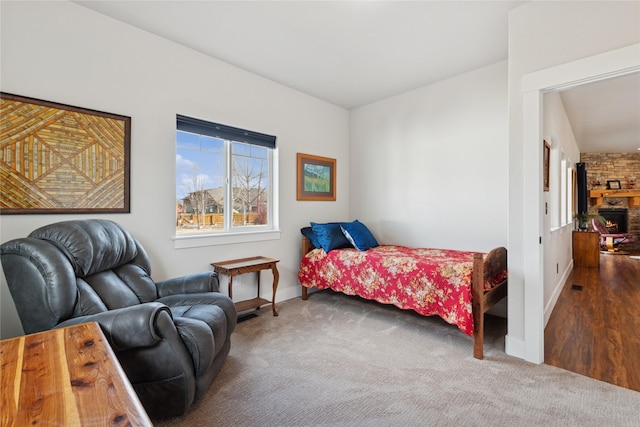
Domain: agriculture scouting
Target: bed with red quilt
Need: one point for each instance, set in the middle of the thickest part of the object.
(458, 286)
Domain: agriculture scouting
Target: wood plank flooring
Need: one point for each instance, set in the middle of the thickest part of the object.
(594, 329)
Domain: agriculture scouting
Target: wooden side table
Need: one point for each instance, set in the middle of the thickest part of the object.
(256, 264)
(586, 248)
(67, 376)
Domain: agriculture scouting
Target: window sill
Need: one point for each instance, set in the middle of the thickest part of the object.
(195, 241)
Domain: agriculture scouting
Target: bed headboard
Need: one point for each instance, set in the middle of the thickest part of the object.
(306, 246)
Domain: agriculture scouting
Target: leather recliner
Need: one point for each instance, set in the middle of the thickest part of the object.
(170, 337)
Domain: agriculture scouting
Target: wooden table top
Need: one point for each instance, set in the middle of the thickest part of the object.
(65, 377)
(255, 261)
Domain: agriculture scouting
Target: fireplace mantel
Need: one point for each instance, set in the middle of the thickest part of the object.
(598, 196)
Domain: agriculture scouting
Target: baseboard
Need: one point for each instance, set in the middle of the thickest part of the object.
(514, 347)
(548, 309)
(291, 293)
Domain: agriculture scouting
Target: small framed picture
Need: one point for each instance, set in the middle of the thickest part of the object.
(614, 185)
(316, 178)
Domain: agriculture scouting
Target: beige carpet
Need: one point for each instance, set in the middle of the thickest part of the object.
(342, 361)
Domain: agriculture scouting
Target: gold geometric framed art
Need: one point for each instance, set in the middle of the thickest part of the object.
(56, 158)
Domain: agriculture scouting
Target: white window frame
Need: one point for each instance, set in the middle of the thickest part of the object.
(234, 234)
(569, 192)
(563, 190)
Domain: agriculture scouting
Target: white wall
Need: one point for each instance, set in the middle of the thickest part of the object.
(63, 52)
(557, 237)
(543, 35)
(429, 167)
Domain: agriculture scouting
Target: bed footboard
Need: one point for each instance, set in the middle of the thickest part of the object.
(486, 267)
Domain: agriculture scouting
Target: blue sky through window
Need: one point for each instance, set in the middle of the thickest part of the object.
(198, 156)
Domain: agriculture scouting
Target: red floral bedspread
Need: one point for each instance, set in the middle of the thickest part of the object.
(428, 281)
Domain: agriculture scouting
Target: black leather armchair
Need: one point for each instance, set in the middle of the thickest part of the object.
(170, 337)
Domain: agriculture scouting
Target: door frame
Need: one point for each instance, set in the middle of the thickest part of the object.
(603, 66)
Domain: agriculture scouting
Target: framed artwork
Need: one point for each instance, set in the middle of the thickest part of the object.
(316, 178)
(546, 154)
(614, 185)
(55, 158)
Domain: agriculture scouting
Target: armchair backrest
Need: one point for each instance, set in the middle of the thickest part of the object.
(598, 226)
(73, 268)
(91, 246)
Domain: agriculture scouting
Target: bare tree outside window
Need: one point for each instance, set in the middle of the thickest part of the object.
(199, 178)
(249, 183)
(197, 197)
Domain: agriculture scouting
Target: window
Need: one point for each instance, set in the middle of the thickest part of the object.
(224, 179)
(569, 193)
(555, 185)
(563, 190)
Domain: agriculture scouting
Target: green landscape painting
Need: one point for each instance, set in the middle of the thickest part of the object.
(317, 178)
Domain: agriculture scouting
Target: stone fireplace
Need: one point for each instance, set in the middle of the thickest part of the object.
(617, 219)
(604, 167)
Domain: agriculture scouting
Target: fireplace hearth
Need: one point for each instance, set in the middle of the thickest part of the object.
(617, 219)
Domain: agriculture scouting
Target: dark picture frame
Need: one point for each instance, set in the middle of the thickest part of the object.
(546, 155)
(614, 184)
(316, 178)
(58, 158)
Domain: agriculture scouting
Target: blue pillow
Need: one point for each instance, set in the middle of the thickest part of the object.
(309, 234)
(359, 235)
(330, 236)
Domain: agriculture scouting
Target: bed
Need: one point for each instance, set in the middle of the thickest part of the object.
(458, 286)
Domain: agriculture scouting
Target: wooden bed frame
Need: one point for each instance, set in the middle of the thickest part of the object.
(484, 267)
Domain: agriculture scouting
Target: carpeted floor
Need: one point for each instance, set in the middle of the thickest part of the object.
(336, 360)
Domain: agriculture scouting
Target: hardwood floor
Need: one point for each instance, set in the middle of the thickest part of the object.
(594, 329)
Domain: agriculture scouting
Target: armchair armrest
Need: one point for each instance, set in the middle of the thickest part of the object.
(194, 283)
(129, 327)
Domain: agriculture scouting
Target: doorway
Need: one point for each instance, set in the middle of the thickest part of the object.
(600, 67)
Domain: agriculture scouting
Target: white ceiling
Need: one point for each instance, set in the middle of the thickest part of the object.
(351, 53)
(605, 115)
